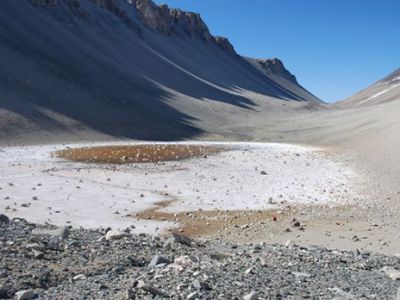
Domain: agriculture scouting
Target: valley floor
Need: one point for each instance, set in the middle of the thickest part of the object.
(345, 194)
(313, 177)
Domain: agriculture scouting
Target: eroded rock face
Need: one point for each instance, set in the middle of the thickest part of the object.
(159, 18)
(225, 45)
(276, 67)
(174, 21)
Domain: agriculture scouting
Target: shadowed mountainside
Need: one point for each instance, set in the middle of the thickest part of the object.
(116, 66)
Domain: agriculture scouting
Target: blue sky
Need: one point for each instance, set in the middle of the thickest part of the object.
(335, 48)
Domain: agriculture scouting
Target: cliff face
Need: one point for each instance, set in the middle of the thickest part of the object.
(159, 18)
(275, 66)
(169, 21)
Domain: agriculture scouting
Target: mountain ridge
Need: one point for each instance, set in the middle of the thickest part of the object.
(385, 90)
(95, 65)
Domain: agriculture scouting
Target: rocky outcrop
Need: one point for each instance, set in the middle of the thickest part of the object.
(275, 66)
(172, 21)
(225, 45)
(159, 18)
(169, 21)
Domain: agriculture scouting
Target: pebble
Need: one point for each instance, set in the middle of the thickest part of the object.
(113, 235)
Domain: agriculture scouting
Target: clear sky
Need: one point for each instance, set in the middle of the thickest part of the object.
(334, 47)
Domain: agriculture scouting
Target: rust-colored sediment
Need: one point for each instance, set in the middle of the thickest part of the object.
(204, 223)
(137, 154)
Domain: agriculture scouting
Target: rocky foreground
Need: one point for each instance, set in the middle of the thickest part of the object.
(61, 263)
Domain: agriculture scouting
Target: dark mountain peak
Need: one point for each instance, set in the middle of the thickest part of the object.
(275, 66)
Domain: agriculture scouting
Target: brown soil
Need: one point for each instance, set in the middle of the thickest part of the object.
(205, 223)
(137, 154)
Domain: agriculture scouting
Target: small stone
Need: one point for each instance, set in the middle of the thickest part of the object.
(34, 246)
(249, 271)
(264, 261)
(79, 277)
(194, 295)
(263, 173)
(251, 296)
(25, 295)
(159, 260)
(290, 244)
(296, 223)
(37, 254)
(113, 235)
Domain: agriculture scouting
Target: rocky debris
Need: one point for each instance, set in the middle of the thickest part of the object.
(113, 235)
(4, 220)
(275, 66)
(391, 272)
(25, 295)
(88, 266)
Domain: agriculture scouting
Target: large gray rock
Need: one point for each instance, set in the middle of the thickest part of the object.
(179, 239)
(25, 295)
(113, 235)
(159, 260)
(4, 220)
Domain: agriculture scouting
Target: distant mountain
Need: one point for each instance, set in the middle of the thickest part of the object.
(125, 68)
(385, 90)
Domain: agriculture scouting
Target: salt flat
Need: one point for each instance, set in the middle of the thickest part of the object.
(40, 187)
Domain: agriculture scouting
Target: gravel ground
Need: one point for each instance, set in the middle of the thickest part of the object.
(62, 263)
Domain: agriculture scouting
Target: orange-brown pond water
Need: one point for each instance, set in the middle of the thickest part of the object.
(144, 153)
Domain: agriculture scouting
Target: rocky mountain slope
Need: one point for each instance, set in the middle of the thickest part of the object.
(125, 68)
(385, 90)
